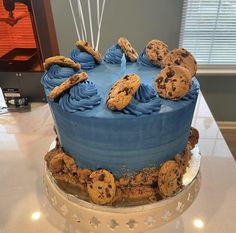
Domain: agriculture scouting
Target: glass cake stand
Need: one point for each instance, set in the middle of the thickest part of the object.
(91, 218)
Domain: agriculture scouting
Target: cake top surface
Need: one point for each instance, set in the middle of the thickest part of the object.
(104, 75)
(90, 98)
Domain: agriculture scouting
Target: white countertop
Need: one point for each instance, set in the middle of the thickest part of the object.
(24, 208)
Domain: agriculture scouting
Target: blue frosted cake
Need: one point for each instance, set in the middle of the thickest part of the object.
(149, 130)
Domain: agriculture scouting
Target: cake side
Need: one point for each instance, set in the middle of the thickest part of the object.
(124, 143)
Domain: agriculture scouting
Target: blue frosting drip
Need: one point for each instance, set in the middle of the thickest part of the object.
(80, 97)
(145, 101)
(143, 60)
(86, 60)
(193, 92)
(114, 54)
(56, 75)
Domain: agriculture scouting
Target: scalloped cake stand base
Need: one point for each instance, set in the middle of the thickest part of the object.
(88, 217)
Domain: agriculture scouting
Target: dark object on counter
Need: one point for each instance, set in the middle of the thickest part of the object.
(18, 104)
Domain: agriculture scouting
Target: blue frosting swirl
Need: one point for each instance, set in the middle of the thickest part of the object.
(85, 59)
(144, 101)
(114, 54)
(143, 60)
(194, 90)
(56, 75)
(80, 97)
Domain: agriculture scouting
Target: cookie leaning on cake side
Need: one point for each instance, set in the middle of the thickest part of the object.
(128, 49)
(156, 51)
(101, 186)
(122, 92)
(61, 61)
(87, 47)
(181, 57)
(173, 82)
(67, 84)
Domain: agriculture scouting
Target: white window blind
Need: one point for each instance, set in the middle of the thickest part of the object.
(208, 30)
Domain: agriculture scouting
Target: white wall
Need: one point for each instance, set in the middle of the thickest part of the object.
(138, 20)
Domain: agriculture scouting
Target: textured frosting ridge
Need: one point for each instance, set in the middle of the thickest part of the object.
(85, 59)
(193, 92)
(144, 101)
(143, 60)
(81, 97)
(56, 75)
(113, 55)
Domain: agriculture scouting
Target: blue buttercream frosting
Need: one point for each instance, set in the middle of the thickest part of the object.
(80, 97)
(85, 59)
(114, 54)
(194, 90)
(56, 75)
(143, 60)
(144, 101)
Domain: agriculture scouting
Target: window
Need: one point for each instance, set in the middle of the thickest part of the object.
(208, 30)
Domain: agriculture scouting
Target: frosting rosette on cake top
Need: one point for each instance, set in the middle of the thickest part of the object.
(114, 54)
(80, 97)
(143, 60)
(194, 90)
(144, 101)
(56, 75)
(85, 59)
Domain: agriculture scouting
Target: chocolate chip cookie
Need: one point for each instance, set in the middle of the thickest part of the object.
(169, 178)
(128, 49)
(181, 57)
(67, 84)
(122, 92)
(156, 50)
(87, 47)
(61, 61)
(173, 82)
(193, 136)
(101, 187)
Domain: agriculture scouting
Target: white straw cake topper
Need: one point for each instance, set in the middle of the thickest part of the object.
(80, 26)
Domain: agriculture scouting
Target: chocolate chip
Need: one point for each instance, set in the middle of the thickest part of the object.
(170, 93)
(101, 177)
(108, 195)
(186, 54)
(109, 186)
(107, 191)
(166, 80)
(90, 186)
(159, 79)
(174, 88)
(195, 62)
(162, 86)
(174, 80)
(149, 47)
(170, 73)
(99, 187)
(177, 62)
(126, 77)
(126, 90)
